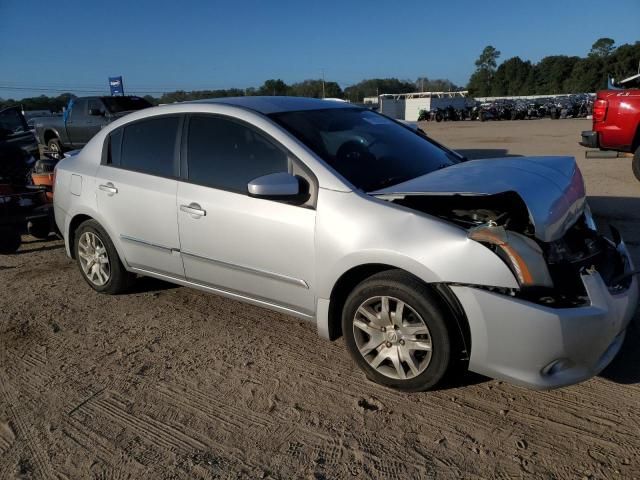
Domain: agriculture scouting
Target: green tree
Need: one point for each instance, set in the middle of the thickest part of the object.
(273, 87)
(41, 102)
(313, 88)
(512, 77)
(551, 73)
(624, 61)
(152, 100)
(588, 75)
(488, 58)
(481, 79)
(603, 47)
(424, 84)
(377, 86)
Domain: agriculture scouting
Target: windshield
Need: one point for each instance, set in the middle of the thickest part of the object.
(368, 149)
(125, 104)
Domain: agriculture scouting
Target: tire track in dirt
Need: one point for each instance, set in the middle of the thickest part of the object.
(7, 436)
(156, 432)
(148, 348)
(24, 432)
(294, 439)
(88, 440)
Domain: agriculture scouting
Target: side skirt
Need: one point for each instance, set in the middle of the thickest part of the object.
(225, 293)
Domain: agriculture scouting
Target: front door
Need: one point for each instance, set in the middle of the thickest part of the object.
(136, 191)
(259, 248)
(95, 119)
(76, 123)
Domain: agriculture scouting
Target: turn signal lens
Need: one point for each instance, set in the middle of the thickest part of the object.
(499, 237)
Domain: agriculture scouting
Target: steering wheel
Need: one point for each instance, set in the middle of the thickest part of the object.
(354, 151)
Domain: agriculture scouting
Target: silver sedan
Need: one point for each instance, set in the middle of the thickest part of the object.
(422, 260)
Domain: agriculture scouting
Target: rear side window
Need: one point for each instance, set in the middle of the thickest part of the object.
(225, 154)
(147, 146)
(115, 147)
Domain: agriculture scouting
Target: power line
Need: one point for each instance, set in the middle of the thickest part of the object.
(46, 89)
(78, 90)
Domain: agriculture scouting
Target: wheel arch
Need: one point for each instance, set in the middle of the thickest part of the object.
(75, 222)
(635, 144)
(50, 134)
(446, 298)
(77, 219)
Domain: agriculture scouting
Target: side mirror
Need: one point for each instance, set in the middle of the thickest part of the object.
(275, 185)
(96, 112)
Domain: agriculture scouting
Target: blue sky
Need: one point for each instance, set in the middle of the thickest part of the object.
(167, 45)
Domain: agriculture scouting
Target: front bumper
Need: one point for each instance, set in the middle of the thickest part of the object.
(590, 139)
(542, 347)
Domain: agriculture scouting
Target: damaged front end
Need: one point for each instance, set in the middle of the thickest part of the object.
(548, 273)
(532, 212)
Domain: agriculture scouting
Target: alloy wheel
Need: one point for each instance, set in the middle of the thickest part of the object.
(54, 150)
(392, 337)
(94, 259)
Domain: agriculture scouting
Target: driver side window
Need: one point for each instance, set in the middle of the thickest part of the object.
(225, 154)
(78, 109)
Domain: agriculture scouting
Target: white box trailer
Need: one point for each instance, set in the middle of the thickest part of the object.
(407, 106)
(392, 106)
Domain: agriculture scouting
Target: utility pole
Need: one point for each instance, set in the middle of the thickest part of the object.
(323, 83)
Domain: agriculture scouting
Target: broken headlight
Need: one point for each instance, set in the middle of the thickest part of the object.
(521, 254)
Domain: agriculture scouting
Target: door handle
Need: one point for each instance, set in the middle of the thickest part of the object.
(109, 188)
(194, 210)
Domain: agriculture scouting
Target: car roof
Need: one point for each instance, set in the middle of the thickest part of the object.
(277, 104)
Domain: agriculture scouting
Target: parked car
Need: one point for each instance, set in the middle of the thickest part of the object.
(360, 224)
(23, 208)
(616, 124)
(82, 119)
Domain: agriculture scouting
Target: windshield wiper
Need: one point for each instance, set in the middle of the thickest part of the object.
(387, 182)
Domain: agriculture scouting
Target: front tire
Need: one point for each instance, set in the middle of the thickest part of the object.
(635, 163)
(98, 260)
(396, 332)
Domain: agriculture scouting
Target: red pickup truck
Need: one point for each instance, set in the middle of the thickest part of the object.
(616, 124)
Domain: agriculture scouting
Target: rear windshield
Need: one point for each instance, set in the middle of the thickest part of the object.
(368, 149)
(12, 121)
(125, 104)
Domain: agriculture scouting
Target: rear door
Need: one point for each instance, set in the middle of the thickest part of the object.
(136, 191)
(262, 249)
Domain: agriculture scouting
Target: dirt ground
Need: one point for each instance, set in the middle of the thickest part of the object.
(167, 382)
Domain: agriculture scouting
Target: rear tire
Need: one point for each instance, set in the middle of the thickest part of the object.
(98, 260)
(635, 163)
(396, 332)
(40, 229)
(10, 240)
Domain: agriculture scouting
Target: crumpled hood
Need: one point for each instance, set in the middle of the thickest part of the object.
(551, 187)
